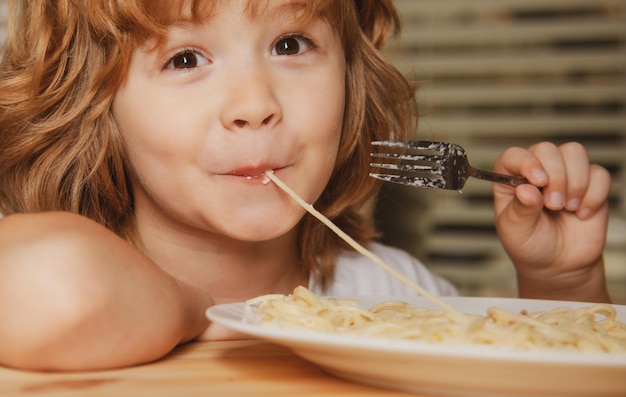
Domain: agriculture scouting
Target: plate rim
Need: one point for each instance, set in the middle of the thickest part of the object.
(231, 315)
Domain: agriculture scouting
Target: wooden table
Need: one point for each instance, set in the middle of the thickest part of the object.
(229, 368)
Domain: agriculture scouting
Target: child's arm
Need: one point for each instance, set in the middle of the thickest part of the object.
(555, 235)
(73, 295)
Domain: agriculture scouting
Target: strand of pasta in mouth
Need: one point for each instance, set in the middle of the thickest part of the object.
(358, 247)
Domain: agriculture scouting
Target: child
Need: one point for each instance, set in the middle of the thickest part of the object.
(133, 139)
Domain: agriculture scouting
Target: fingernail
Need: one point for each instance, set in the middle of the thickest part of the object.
(556, 199)
(584, 213)
(540, 175)
(573, 204)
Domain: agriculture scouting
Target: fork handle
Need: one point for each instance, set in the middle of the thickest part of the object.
(511, 180)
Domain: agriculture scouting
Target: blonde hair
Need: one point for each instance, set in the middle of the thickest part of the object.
(60, 149)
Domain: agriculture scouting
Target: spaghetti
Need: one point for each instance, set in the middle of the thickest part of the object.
(590, 328)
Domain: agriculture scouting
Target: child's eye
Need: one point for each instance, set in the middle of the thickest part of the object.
(292, 45)
(186, 59)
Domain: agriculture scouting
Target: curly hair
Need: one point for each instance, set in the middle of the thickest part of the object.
(60, 148)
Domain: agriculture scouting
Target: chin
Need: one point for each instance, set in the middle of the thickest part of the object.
(257, 233)
(261, 222)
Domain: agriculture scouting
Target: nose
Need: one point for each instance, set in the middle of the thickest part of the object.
(251, 101)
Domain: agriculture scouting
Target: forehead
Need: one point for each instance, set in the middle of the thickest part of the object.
(149, 21)
(172, 11)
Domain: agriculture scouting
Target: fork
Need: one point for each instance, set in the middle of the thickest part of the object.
(439, 165)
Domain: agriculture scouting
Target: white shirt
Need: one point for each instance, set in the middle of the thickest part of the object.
(356, 275)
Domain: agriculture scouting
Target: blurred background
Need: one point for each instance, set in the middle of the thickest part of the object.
(494, 74)
(498, 73)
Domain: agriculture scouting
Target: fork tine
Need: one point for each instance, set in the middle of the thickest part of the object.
(424, 168)
(431, 158)
(417, 145)
(412, 163)
(427, 166)
(411, 180)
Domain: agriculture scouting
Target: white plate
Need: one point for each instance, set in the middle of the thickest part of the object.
(441, 370)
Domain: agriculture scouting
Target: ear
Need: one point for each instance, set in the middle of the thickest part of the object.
(378, 19)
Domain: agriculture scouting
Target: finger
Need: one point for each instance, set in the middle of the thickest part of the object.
(596, 195)
(577, 167)
(518, 161)
(551, 158)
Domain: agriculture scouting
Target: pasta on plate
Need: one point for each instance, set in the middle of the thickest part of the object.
(591, 328)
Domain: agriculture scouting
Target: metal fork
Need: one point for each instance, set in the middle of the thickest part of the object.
(429, 164)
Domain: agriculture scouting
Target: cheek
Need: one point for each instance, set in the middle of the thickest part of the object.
(335, 110)
(150, 128)
(326, 110)
(333, 99)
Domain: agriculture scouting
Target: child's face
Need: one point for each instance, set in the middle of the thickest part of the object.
(219, 103)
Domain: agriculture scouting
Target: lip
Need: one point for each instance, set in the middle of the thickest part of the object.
(253, 173)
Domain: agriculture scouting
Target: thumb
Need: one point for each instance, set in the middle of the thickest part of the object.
(522, 211)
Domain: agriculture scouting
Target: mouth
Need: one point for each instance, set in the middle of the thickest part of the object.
(258, 173)
(250, 177)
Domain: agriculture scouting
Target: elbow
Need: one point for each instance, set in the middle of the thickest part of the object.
(74, 296)
(43, 315)
(50, 301)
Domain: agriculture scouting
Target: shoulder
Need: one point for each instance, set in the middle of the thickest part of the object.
(357, 275)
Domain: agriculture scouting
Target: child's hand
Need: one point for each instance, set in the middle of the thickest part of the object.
(554, 231)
